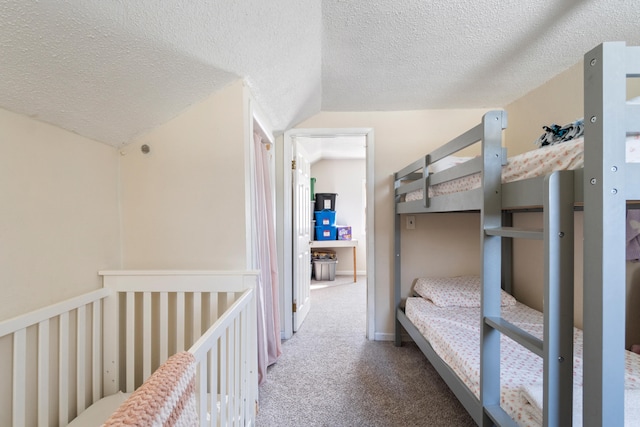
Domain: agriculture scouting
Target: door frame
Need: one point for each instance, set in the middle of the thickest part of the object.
(287, 222)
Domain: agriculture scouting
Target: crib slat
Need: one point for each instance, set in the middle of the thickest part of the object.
(213, 386)
(81, 352)
(196, 317)
(19, 376)
(233, 369)
(224, 369)
(130, 342)
(146, 335)
(213, 307)
(238, 368)
(96, 351)
(244, 376)
(164, 326)
(180, 321)
(63, 370)
(223, 302)
(43, 373)
(201, 389)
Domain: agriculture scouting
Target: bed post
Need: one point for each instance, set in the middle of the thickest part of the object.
(491, 251)
(558, 299)
(604, 236)
(397, 290)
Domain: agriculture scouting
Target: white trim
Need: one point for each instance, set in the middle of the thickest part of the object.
(285, 248)
(254, 121)
(249, 187)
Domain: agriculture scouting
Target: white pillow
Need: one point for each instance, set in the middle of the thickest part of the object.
(459, 291)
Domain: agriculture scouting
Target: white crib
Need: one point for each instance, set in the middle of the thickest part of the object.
(62, 360)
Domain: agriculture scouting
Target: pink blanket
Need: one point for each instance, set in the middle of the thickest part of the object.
(166, 398)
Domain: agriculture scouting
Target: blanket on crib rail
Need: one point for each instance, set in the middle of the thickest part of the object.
(166, 398)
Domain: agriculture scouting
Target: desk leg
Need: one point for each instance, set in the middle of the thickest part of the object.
(354, 265)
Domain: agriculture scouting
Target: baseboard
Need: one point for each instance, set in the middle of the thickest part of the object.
(385, 336)
(350, 272)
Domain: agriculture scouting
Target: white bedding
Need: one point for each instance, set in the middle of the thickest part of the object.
(96, 414)
(565, 156)
(454, 334)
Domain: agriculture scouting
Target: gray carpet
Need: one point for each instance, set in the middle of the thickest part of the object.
(331, 375)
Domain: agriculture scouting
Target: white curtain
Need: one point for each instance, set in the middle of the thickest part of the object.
(269, 343)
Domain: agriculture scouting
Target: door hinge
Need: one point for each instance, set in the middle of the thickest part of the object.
(295, 307)
(293, 165)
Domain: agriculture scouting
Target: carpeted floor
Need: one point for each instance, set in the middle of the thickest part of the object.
(331, 375)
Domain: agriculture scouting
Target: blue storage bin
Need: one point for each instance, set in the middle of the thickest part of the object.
(325, 217)
(326, 232)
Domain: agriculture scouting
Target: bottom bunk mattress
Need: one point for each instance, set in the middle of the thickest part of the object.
(454, 334)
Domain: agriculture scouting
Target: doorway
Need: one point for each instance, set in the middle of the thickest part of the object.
(332, 137)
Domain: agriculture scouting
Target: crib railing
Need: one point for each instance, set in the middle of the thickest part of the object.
(226, 386)
(52, 349)
(59, 360)
(210, 313)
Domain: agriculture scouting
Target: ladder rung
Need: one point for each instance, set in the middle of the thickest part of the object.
(517, 334)
(515, 232)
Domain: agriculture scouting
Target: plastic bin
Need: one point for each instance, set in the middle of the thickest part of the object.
(325, 217)
(326, 201)
(322, 253)
(344, 232)
(325, 232)
(324, 269)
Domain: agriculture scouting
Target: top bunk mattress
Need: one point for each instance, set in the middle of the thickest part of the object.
(565, 156)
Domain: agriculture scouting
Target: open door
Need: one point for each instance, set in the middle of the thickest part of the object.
(294, 251)
(301, 171)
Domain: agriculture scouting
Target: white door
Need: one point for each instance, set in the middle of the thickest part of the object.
(301, 170)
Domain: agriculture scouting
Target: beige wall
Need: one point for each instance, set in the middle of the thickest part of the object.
(183, 204)
(59, 211)
(558, 101)
(400, 137)
(345, 178)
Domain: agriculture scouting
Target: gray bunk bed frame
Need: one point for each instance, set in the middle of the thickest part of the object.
(602, 188)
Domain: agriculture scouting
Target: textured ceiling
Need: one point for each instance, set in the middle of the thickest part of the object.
(112, 70)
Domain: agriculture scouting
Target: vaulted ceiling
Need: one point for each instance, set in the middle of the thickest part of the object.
(114, 69)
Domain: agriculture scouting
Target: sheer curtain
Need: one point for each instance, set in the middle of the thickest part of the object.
(269, 343)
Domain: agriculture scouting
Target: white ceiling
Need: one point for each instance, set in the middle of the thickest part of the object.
(114, 69)
(336, 147)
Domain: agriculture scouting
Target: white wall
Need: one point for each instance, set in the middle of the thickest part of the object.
(345, 177)
(59, 213)
(400, 137)
(183, 204)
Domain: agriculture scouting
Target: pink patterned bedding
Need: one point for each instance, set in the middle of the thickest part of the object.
(454, 334)
(458, 291)
(566, 156)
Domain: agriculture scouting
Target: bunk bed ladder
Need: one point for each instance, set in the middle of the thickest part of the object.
(556, 348)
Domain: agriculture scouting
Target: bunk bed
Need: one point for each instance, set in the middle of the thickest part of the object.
(104, 352)
(587, 368)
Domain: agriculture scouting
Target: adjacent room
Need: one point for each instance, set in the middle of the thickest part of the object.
(419, 192)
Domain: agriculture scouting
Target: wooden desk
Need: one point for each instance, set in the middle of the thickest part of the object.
(338, 244)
